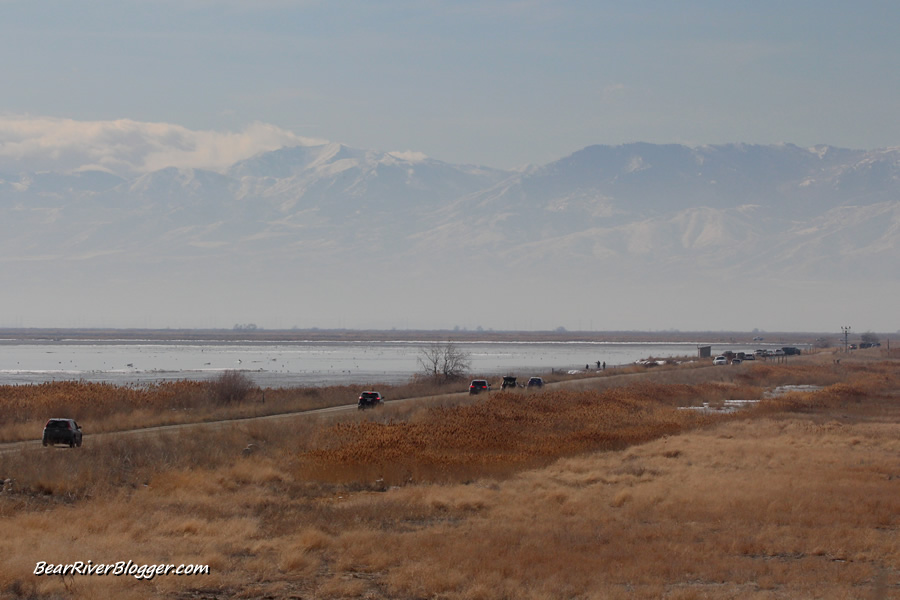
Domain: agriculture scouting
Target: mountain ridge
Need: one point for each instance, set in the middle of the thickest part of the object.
(668, 214)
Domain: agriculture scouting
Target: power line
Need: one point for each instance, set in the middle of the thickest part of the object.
(846, 330)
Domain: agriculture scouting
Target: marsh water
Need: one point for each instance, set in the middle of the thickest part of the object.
(300, 363)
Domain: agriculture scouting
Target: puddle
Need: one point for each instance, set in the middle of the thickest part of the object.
(728, 406)
(787, 389)
(731, 406)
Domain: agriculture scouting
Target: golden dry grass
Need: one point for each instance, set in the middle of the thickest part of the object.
(570, 493)
(102, 407)
(503, 432)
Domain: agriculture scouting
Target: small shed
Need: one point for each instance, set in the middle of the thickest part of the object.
(704, 351)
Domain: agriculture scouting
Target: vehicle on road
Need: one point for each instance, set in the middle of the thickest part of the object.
(369, 400)
(535, 382)
(508, 382)
(62, 431)
(479, 385)
(720, 360)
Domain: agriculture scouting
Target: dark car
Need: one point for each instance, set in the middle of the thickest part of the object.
(479, 385)
(508, 382)
(535, 382)
(368, 400)
(62, 431)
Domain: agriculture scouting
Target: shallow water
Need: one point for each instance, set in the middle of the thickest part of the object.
(288, 364)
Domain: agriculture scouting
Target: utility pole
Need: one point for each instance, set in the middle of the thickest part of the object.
(846, 331)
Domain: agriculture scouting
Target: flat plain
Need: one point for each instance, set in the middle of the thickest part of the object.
(638, 484)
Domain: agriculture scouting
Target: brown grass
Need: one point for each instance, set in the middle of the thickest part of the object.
(504, 432)
(101, 407)
(613, 493)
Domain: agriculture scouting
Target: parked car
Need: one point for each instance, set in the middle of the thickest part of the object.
(508, 382)
(62, 431)
(478, 386)
(736, 361)
(791, 351)
(535, 382)
(720, 360)
(368, 400)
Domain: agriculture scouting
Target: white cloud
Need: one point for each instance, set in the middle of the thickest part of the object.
(127, 147)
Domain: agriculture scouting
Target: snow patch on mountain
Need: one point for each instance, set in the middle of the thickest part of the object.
(605, 215)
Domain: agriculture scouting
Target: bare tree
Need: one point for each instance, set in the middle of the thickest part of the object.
(444, 361)
(824, 342)
(230, 387)
(870, 338)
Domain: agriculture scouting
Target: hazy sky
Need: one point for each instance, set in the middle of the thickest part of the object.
(132, 86)
(495, 82)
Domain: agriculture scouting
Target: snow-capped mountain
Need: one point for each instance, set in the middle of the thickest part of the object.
(739, 215)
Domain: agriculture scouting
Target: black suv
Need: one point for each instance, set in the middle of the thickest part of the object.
(368, 400)
(479, 385)
(535, 382)
(62, 431)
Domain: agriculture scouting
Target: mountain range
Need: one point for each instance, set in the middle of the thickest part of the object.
(609, 237)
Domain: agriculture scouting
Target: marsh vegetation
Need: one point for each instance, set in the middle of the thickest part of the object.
(593, 487)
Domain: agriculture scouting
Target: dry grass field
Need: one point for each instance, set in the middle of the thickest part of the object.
(103, 407)
(603, 487)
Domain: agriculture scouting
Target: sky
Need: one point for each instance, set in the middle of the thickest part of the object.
(133, 86)
(500, 83)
